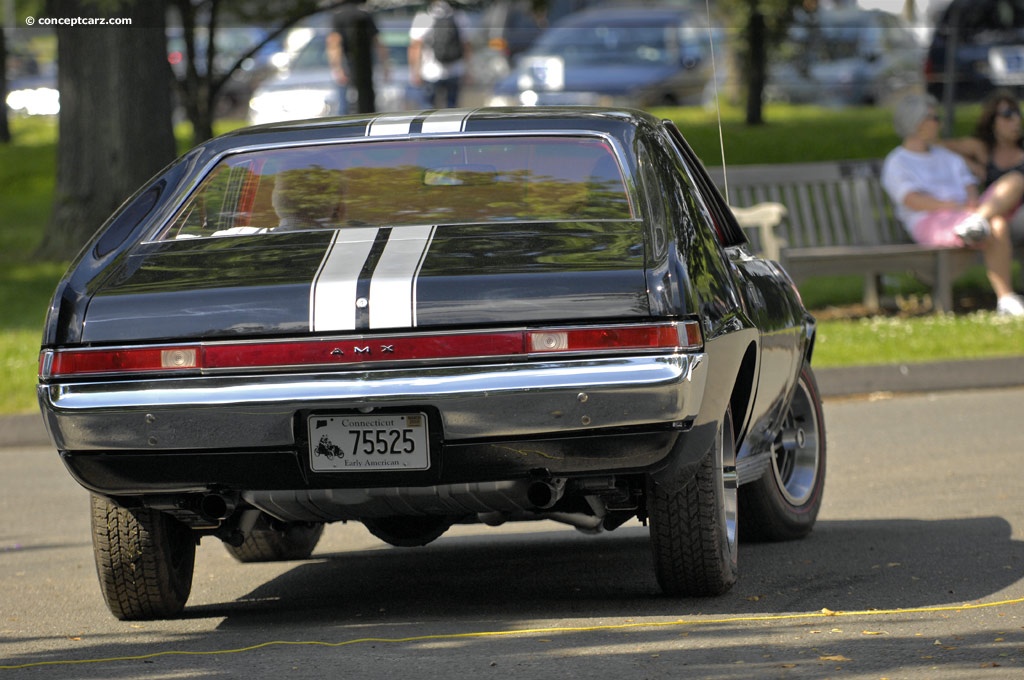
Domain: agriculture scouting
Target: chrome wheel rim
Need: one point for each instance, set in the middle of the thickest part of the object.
(730, 485)
(797, 449)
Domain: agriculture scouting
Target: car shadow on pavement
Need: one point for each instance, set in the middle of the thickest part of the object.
(841, 566)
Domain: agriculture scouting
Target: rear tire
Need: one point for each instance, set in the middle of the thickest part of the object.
(144, 560)
(407, 532)
(295, 542)
(783, 504)
(693, 530)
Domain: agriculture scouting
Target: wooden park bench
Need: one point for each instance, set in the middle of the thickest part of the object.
(835, 219)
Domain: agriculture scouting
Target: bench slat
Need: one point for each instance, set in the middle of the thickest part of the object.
(839, 220)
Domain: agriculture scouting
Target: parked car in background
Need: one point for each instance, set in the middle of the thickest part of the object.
(977, 46)
(846, 57)
(619, 55)
(510, 27)
(305, 88)
(33, 92)
(420, 320)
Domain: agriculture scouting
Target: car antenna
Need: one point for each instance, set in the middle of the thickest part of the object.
(718, 104)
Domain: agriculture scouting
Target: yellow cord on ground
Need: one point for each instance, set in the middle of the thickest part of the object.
(525, 631)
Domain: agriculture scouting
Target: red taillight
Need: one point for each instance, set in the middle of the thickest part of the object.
(347, 351)
(125, 360)
(616, 338)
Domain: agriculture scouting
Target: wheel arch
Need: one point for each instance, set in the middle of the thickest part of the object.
(743, 392)
(812, 336)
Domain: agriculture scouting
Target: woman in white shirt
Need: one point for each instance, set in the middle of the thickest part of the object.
(936, 197)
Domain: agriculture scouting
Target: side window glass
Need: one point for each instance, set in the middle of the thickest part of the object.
(727, 230)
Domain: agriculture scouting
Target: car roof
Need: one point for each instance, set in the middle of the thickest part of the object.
(444, 121)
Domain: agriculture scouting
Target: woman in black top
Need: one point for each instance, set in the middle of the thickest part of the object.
(997, 145)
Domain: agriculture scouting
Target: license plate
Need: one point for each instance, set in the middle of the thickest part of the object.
(374, 443)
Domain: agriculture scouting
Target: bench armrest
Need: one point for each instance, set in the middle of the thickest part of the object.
(764, 218)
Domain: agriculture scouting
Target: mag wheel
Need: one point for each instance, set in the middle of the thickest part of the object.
(269, 544)
(144, 560)
(693, 530)
(783, 504)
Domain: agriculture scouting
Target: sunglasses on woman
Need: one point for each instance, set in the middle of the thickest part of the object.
(1008, 113)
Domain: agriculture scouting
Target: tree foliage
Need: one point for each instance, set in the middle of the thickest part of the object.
(200, 84)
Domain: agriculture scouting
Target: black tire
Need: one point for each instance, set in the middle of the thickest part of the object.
(144, 559)
(783, 504)
(693, 530)
(295, 542)
(407, 532)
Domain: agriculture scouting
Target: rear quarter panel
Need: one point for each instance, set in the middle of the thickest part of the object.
(757, 331)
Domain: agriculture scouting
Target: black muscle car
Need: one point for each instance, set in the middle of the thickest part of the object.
(417, 320)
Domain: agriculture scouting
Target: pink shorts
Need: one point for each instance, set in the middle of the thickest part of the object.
(936, 228)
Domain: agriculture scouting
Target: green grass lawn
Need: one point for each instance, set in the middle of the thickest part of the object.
(931, 337)
(791, 134)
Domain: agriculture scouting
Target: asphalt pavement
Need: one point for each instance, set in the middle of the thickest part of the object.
(28, 429)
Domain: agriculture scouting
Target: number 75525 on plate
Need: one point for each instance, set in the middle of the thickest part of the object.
(371, 443)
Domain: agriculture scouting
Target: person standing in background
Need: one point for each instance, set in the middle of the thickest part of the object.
(438, 53)
(350, 49)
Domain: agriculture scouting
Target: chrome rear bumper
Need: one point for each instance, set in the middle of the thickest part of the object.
(507, 401)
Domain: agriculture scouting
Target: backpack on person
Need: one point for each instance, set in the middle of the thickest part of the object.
(445, 40)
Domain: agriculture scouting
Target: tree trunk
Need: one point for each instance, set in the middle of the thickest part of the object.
(115, 120)
(757, 68)
(5, 128)
(196, 81)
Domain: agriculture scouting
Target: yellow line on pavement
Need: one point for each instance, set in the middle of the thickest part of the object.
(824, 613)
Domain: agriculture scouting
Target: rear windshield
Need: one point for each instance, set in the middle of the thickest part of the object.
(407, 182)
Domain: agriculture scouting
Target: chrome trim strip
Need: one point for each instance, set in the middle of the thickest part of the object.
(257, 411)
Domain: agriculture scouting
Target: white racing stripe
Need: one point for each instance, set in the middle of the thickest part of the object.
(449, 120)
(332, 303)
(393, 284)
(444, 120)
(392, 294)
(391, 125)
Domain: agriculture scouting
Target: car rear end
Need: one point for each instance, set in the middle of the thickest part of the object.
(457, 327)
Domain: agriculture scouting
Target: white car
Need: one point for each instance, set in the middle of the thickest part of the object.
(305, 88)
